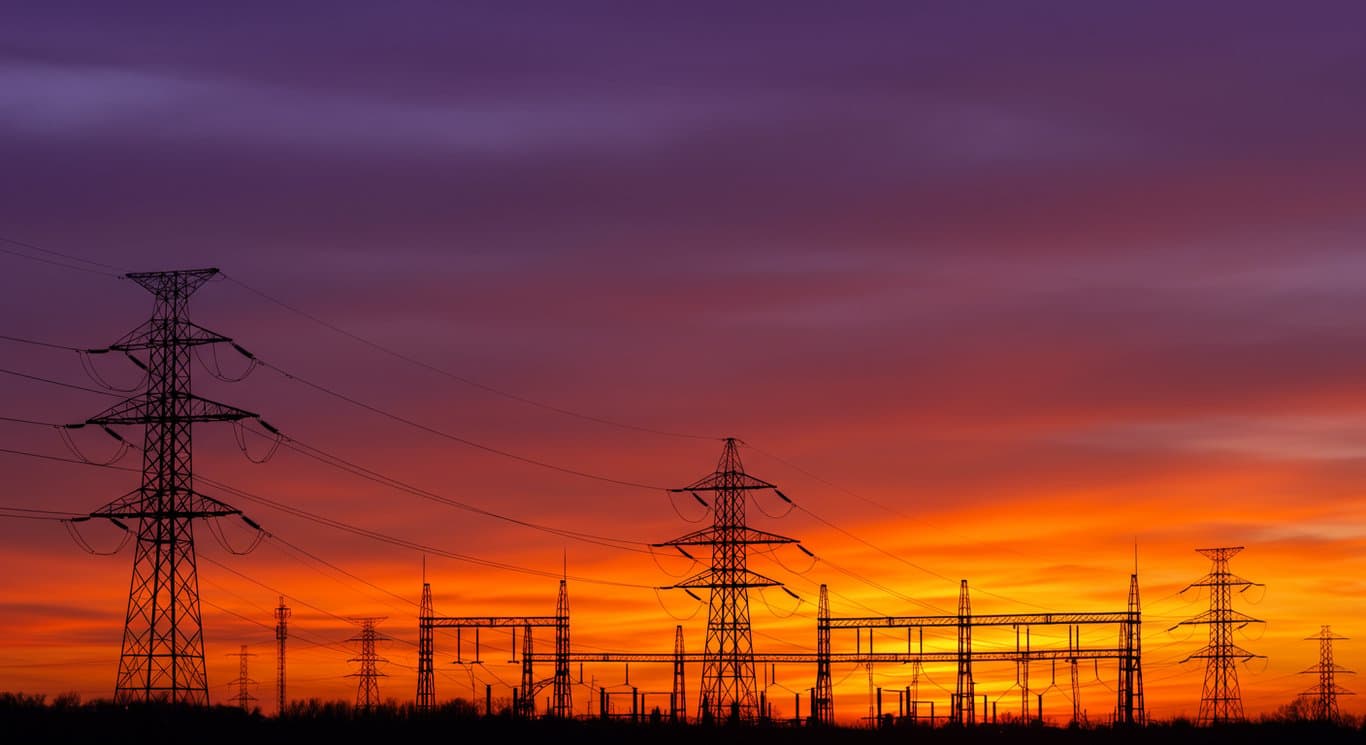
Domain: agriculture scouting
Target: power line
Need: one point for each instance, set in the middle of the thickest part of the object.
(52, 262)
(341, 463)
(36, 343)
(50, 252)
(456, 438)
(353, 529)
(404, 543)
(462, 379)
(867, 543)
(73, 386)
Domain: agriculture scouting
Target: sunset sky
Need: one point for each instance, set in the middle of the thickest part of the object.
(1004, 292)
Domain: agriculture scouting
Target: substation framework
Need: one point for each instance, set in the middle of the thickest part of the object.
(1127, 653)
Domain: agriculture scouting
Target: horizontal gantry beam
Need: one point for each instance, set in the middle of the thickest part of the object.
(1089, 653)
(1015, 619)
(464, 622)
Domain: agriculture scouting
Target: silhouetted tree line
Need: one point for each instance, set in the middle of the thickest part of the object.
(66, 719)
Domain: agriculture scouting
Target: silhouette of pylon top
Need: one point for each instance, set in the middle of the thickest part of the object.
(181, 282)
(729, 475)
(1219, 554)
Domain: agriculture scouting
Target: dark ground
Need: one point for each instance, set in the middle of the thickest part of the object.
(29, 720)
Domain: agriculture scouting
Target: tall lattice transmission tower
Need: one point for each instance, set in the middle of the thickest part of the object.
(162, 657)
(1323, 698)
(1221, 702)
(367, 685)
(728, 691)
(282, 614)
(244, 681)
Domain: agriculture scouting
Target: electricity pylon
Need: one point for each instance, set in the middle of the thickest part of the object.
(1323, 698)
(367, 687)
(243, 682)
(1221, 702)
(282, 614)
(162, 657)
(727, 692)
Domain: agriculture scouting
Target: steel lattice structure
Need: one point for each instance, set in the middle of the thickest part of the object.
(1130, 709)
(282, 614)
(1323, 698)
(367, 685)
(162, 656)
(243, 682)
(727, 690)
(525, 704)
(1221, 701)
(426, 678)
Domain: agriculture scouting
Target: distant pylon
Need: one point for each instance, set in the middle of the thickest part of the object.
(728, 687)
(964, 708)
(243, 682)
(162, 657)
(1221, 701)
(1130, 707)
(282, 614)
(367, 688)
(1323, 697)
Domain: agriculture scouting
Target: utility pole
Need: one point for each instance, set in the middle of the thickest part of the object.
(162, 657)
(1221, 702)
(1324, 696)
(728, 688)
(282, 614)
(367, 687)
(244, 697)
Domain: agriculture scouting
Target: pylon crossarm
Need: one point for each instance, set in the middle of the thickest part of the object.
(707, 579)
(135, 504)
(149, 409)
(727, 481)
(151, 335)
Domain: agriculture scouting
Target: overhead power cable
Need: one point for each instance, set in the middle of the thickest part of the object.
(456, 438)
(403, 542)
(353, 529)
(50, 381)
(462, 379)
(336, 461)
(59, 254)
(50, 261)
